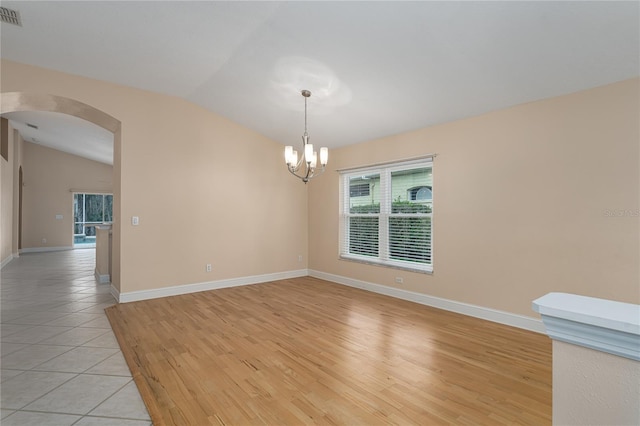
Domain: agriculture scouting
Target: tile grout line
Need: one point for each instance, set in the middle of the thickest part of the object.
(75, 414)
(70, 378)
(90, 299)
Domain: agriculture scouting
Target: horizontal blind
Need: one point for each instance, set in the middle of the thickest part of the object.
(364, 235)
(387, 215)
(361, 215)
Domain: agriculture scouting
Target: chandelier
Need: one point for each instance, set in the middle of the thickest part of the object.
(306, 167)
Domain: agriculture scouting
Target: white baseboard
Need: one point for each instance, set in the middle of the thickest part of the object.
(155, 293)
(6, 260)
(507, 318)
(114, 292)
(102, 279)
(43, 249)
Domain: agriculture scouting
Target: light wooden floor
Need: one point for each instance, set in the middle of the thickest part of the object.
(306, 351)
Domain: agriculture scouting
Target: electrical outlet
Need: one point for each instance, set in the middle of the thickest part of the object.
(299, 258)
(135, 220)
(44, 241)
(399, 280)
(208, 267)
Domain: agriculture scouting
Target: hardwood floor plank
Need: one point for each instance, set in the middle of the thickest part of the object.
(306, 351)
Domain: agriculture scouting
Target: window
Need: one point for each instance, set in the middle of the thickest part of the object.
(359, 189)
(420, 193)
(90, 210)
(391, 226)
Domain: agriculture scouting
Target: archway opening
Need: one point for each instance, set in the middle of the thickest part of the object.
(23, 101)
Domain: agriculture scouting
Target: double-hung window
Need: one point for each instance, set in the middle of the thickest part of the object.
(386, 215)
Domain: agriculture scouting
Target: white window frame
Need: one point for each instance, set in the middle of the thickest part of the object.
(385, 171)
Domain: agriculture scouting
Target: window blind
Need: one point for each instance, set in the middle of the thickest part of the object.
(389, 224)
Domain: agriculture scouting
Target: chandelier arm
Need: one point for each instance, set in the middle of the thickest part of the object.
(309, 170)
(302, 157)
(305, 179)
(292, 171)
(311, 173)
(299, 163)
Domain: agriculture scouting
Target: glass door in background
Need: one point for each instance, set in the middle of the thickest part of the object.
(90, 210)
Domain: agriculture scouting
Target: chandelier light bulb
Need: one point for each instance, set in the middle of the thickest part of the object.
(324, 156)
(308, 152)
(288, 153)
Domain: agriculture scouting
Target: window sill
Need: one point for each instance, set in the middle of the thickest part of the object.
(383, 264)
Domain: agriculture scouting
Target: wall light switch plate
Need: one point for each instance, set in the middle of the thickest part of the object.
(135, 220)
(58, 216)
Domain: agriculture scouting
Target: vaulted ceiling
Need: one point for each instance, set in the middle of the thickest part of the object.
(374, 68)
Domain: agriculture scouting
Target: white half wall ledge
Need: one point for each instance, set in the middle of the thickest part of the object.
(603, 325)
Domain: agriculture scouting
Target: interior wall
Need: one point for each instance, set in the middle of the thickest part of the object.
(594, 388)
(206, 189)
(49, 177)
(537, 198)
(6, 195)
(18, 144)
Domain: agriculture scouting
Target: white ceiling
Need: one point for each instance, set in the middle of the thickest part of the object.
(65, 133)
(374, 68)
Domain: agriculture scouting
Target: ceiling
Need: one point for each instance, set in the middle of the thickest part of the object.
(65, 133)
(374, 68)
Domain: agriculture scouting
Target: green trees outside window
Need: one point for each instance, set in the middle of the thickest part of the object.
(91, 209)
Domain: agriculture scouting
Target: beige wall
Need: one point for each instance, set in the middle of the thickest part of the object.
(206, 189)
(594, 388)
(523, 199)
(521, 196)
(49, 176)
(6, 200)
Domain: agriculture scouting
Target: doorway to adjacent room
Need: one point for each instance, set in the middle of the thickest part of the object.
(90, 210)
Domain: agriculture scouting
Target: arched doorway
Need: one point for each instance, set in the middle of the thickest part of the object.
(23, 101)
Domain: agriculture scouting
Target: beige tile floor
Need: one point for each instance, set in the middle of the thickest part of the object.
(61, 364)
